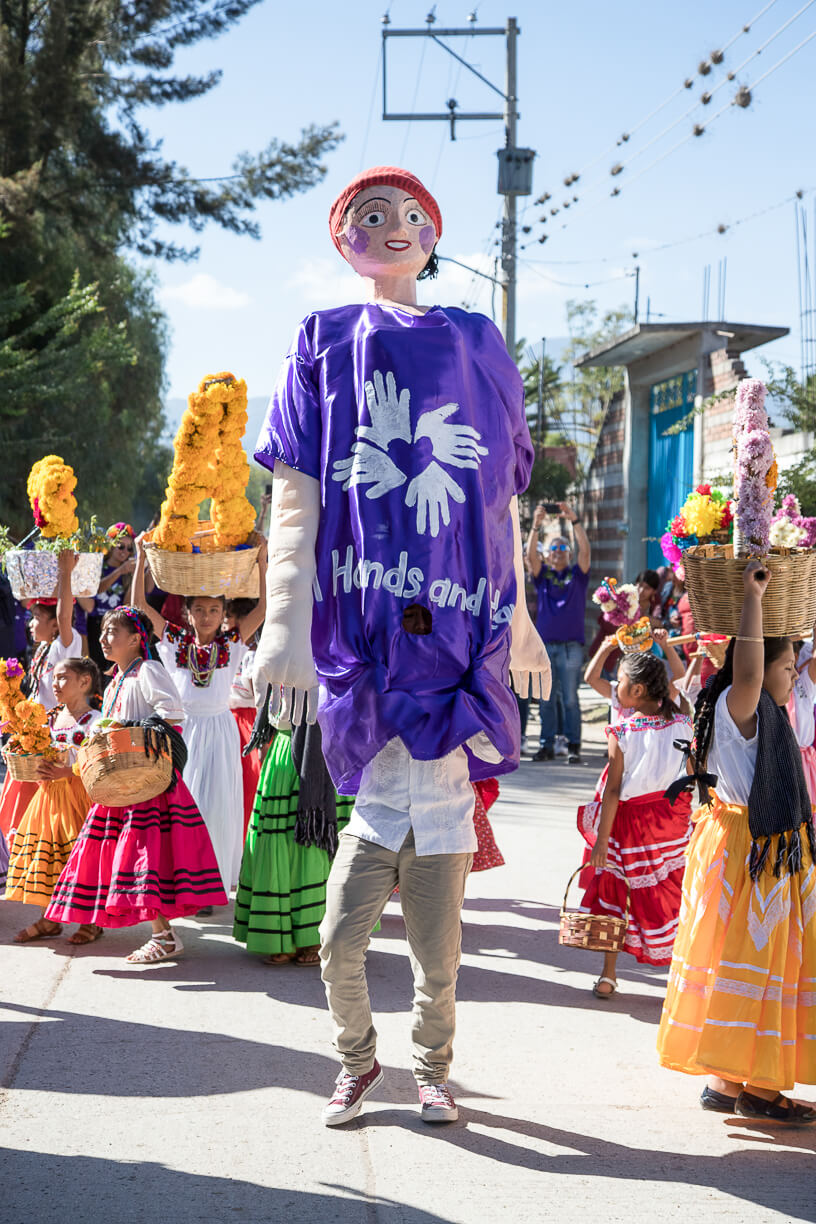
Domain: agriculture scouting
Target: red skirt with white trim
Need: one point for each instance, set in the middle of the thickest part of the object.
(647, 858)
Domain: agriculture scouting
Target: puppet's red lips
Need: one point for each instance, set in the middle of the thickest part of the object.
(397, 245)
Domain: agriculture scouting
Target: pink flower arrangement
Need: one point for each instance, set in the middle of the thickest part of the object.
(790, 528)
(619, 604)
(754, 479)
(671, 551)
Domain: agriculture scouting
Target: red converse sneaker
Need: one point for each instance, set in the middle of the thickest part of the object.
(349, 1095)
(437, 1103)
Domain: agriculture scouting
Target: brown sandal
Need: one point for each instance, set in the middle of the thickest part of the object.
(279, 958)
(308, 956)
(87, 933)
(36, 931)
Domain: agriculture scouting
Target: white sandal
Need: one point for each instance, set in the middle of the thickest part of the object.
(165, 945)
(604, 994)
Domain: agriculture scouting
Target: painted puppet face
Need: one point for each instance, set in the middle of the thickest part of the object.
(386, 233)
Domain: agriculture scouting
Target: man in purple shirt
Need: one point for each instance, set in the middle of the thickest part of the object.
(562, 591)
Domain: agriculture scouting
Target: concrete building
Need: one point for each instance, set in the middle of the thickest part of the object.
(640, 475)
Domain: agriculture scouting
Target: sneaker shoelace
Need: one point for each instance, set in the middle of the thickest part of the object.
(437, 1094)
(345, 1089)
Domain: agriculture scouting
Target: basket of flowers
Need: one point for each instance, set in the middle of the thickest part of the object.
(706, 517)
(120, 766)
(25, 725)
(217, 556)
(636, 638)
(32, 572)
(714, 571)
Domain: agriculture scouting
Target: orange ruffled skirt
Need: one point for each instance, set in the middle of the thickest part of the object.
(741, 1001)
(44, 839)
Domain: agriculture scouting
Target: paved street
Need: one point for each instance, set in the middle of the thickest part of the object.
(191, 1091)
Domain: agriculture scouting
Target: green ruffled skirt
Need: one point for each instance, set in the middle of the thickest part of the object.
(281, 896)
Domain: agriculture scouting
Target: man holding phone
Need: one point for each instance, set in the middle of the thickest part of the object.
(562, 592)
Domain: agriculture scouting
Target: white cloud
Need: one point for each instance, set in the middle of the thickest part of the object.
(204, 292)
(323, 282)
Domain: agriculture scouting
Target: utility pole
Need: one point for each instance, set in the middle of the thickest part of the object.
(637, 290)
(515, 164)
(541, 430)
(508, 259)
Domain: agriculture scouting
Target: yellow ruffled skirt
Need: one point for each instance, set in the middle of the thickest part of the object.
(741, 1001)
(45, 838)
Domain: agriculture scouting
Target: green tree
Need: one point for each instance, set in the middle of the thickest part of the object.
(801, 481)
(589, 392)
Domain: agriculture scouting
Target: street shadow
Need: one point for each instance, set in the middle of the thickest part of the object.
(775, 1178)
(40, 1186)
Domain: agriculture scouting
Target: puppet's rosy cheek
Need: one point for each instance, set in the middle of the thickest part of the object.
(426, 238)
(357, 239)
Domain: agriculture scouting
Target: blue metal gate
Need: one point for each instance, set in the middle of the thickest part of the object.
(671, 459)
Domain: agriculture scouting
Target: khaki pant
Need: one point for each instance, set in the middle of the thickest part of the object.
(432, 889)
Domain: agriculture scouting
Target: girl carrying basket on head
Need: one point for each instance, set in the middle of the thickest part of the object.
(152, 861)
(740, 1006)
(203, 660)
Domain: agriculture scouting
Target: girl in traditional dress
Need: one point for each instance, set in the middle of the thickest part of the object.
(242, 703)
(52, 821)
(52, 629)
(203, 660)
(153, 861)
(637, 836)
(740, 1006)
(292, 839)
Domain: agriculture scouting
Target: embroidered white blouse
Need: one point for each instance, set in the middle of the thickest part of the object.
(148, 689)
(71, 736)
(650, 760)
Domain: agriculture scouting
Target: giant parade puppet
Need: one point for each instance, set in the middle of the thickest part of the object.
(398, 441)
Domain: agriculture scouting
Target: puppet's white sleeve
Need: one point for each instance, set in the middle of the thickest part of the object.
(284, 656)
(529, 662)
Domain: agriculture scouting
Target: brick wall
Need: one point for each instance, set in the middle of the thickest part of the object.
(603, 505)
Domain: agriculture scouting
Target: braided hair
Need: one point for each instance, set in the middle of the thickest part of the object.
(135, 622)
(707, 700)
(646, 669)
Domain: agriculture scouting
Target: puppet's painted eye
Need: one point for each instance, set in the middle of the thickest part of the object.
(373, 219)
(416, 217)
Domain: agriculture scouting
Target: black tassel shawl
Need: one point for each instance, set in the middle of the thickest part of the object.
(778, 802)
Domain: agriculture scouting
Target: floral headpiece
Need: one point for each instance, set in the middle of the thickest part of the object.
(120, 529)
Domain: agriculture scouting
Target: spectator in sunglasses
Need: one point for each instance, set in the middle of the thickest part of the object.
(561, 585)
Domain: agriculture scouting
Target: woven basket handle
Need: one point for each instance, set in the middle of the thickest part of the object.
(577, 871)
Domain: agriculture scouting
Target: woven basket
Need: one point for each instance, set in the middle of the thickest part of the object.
(115, 771)
(595, 932)
(33, 574)
(207, 572)
(22, 767)
(716, 591)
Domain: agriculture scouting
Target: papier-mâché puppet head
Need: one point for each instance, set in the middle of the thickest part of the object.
(386, 222)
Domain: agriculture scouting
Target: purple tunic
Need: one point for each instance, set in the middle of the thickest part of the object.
(415, 428)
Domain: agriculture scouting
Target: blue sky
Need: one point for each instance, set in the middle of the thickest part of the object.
(588, 71)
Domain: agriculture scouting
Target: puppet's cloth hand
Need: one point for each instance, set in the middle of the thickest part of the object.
(284, 655)
(367, 465)
(390, 413)
(430, 493)
(457, 445)
(289, 705)
(529, 662)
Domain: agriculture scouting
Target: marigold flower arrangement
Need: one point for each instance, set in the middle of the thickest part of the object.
(51, 484)
(619, 604)
(756, 471)
(635, 638)
(24, 721)
(209, 462)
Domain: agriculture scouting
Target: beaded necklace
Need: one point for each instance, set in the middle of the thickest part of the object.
(112, 695)
(202, 675)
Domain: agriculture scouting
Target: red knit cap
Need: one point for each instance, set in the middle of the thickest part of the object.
(383, 176)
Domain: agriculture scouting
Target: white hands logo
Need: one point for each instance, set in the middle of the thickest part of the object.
(370, 464)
